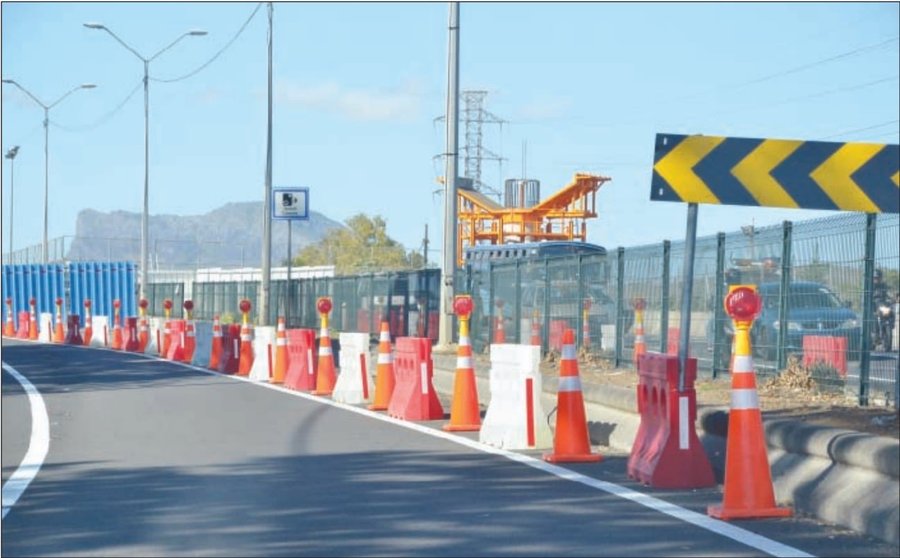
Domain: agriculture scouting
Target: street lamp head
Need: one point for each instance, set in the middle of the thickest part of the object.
(88, 86)
(8, 81)
(13, 151)
(197, 32)
(94, 25)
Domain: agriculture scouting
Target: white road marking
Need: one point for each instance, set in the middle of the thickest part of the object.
(38, 446)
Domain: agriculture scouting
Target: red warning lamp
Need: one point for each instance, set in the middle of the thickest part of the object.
(639, 304)
(87, 303)
(189, 305)
(462, 305)
(8, 301)
(58, 301)
(116, 304)
(743, 304)
(323, 305)
(587, 304)
(244, 306)
(32, 301)
(144, 303)
(167, 304)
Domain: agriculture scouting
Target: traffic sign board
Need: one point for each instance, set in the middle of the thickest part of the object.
(290, 203)
(777, 173)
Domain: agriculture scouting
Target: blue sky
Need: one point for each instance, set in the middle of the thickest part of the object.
(358, 85)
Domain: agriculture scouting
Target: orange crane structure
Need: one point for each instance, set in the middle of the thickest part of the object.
(561, 216)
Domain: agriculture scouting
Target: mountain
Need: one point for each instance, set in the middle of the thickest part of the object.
(229, 236)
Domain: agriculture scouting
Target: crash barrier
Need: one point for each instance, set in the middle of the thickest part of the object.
(130, 335)
(176, 340)
(263, 340)
(354, 382)
(231, 349)
(414, 397)
(301, 370)
(515, 418)
(73, 333)
(667, 452)
(825, 349)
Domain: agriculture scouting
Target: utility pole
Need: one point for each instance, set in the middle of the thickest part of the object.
(448, 268)
(263, 316)
(425, 248)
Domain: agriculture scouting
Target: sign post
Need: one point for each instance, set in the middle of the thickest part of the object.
(290, 204)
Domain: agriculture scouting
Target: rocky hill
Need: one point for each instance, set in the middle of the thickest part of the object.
(229, 236)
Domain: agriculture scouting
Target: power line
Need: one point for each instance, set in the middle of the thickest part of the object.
(872, 127)
(103, 119)
(216, 55)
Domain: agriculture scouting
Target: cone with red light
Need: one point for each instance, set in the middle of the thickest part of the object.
(748, 491)
(571, 442)
(326, 376)
(384, 371)
(88, 326)
(464, 412)
(10, 329)
(640, 345)
(281, 353)
(143, 326)
(215, 352)
(246, 359)
(32, 320)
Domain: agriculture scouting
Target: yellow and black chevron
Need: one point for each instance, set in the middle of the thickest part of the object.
(777, 173)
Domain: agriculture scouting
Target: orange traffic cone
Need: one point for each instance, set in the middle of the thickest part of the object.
(32, 323)
(167, 329)
(59, 336)
(246, 360)
(117, 327)
(281, 354)
(215, 353)
(748, 491)
(326, 378)
(190, 337)
(536, 328)
(640, 346)
(10, 329)
(571, 443)
(384, 371)
(586, 325)
(499, 332)
(88, 327)
(143, 326)
(464, 412)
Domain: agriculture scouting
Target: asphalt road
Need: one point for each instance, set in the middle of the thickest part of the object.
(148, 457)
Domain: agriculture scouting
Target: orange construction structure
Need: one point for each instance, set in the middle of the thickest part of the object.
(559, 217)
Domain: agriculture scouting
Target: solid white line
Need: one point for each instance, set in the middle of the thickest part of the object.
(722, 528)
(38, 446)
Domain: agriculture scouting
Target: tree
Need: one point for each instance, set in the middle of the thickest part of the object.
(362, 246)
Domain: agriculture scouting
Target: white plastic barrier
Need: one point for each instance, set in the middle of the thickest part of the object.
(45, 327)
(263, 336)
(349, 385)
(203, 343)
(506, 420)
(99, 324)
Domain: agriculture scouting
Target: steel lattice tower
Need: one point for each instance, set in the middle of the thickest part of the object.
(475, 116)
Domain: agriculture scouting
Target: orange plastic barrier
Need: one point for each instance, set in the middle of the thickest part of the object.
(414, 397)
(826, 349)
(667, 452)
(301, 368)
(215, 351)
(176, 341)
(24, 325)
(10, 329)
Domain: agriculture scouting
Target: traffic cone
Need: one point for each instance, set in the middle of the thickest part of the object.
(586, 325)
(215, 353)
(748, 491)
(143, 326)
(117, 327)
(167, 329)
(536, 328)
(326, 378)
(384, 371)
(32, 321)
(571, 443)
(88, 327)
(281, 354)
(10, 329)
(499, 332)
(190, 338)
(246, 358)
(640, 345)
(464, 412)
(59, 335)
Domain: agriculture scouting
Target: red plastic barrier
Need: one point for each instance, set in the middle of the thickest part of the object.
(557, 327)
(414, 397)
(672, 341)
(829, 350)
(667, 452)
(398, 323)
(231, 349)
(24, 325)
(302, 360)
(73, 334)
(130, 335)
(176, 341)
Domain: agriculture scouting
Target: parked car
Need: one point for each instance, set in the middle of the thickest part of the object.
(566, 305)
(813, 309)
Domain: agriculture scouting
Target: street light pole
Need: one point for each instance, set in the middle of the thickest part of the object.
(11, 155)
(145, 214)
(47, 108)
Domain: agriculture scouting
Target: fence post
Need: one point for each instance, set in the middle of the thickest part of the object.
(718, 308)
(664, 306)
(545, 335)
(620, 299)
(518, 305)
(864, 346)
(490, 328)
(579, 329)
(783, 306)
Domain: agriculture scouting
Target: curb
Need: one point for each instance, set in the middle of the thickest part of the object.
(843, 477)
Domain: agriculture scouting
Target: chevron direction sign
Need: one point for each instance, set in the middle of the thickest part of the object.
(777, 173)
